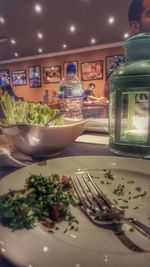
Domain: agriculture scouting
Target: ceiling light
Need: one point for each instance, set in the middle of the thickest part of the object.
(72, 28)
(40, 35)
(16, 54)
(93, 41)
(111, 20)
(64, 46)
(38, 8)
(40, 50)
(2, 20)
(126, 35)
(13, 41)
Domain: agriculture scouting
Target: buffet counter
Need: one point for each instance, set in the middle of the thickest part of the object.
(95, 109)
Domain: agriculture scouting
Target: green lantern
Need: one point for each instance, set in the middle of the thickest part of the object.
(129, 111)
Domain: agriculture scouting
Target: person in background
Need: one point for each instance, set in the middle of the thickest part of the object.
(139, 16)
(6, 87)
(139, 21)
(89, 95)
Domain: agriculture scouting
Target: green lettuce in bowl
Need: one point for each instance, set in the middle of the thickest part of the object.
(19, 111)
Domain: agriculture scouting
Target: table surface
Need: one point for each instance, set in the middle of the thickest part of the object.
(75, 149)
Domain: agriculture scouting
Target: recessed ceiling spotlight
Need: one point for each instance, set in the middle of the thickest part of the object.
(93, 41)
(72, 28)
(40, 35)
(111, 20)
(40, 50)
(38, 8)
(2, 20)
(64, 46)
(13, 41)
(126, 35)
(16, 54)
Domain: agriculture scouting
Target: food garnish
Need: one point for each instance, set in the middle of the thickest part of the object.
(48, 199)
(122, 190)
(43, 199)
(109, 175)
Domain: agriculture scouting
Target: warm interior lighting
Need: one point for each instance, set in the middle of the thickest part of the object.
(93, 41)
(64, 46)
(72, 28)
(126, 35)
(2, 20)
(40, 35)
(111, 20)
(140, 123)
(38, 8)
(13, 41)
(40, 50)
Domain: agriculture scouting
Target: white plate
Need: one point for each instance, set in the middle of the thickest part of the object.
(91, 245)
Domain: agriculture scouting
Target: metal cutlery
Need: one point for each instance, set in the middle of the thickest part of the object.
(55, 117)
(98, 208)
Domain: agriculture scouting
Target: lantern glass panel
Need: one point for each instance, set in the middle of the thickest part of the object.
(112, 111)
(134, 116)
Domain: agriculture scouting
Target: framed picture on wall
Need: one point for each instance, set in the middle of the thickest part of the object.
(35, 76)
(19, 78)
(92, 70)
(66, 64)
(110, 60)
(4, 76)
(52, 74)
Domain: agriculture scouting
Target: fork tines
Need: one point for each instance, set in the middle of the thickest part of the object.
(98, 207)
(90, 194)
(100, 194)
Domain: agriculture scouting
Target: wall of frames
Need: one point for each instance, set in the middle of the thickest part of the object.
(31, 79)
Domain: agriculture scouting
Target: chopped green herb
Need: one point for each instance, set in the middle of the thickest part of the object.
(123, 207)
(140, 195)
(130, 182)
(119, 191)
(115, 201)
(109, 175)
(72, 227)
(139, 189)
(124, 200)
(43, 199)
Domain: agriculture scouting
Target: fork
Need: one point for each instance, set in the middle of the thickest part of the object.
(55, 117)
(98, 208)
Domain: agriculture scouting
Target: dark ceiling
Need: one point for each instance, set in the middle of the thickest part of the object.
(90, 17)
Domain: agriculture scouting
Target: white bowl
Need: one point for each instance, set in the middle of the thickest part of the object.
(41, 141)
